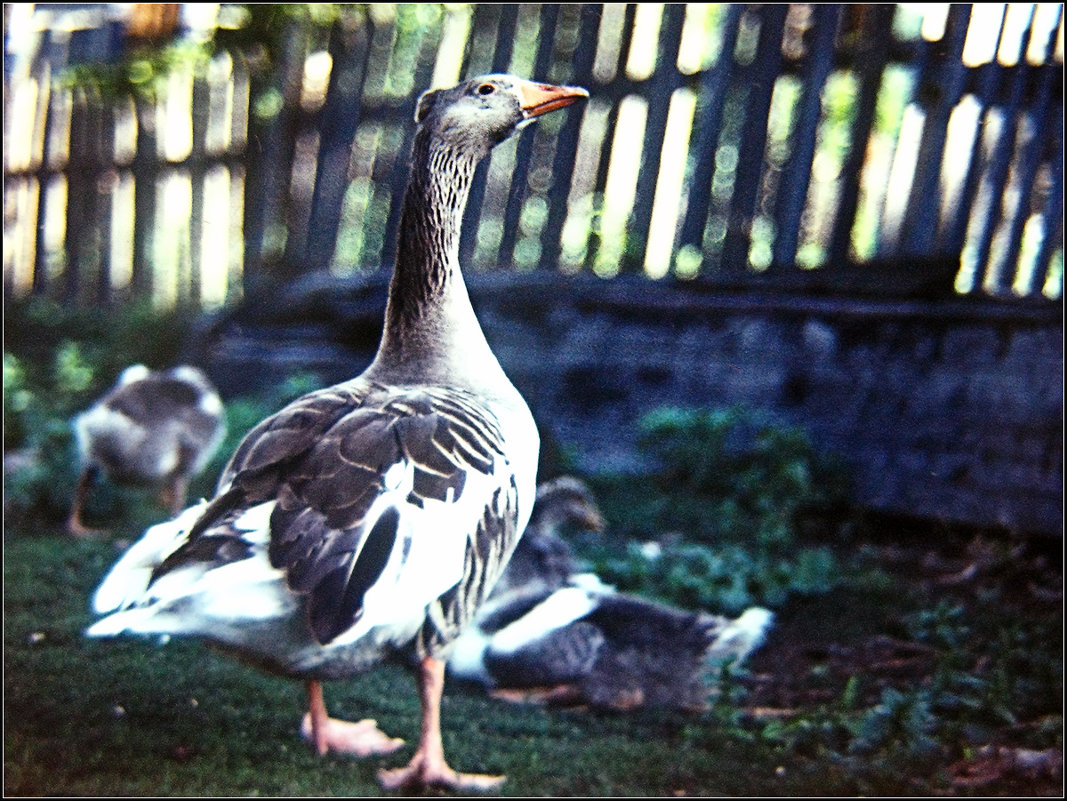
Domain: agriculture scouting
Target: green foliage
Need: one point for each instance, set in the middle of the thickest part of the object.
(141, 73)
(724, 498)
(731, 475)
(57, 361)
(992, 670)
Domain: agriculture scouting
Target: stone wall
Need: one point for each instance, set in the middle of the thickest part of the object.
(949, 409)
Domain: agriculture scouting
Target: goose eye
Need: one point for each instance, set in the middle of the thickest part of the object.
(486, 89)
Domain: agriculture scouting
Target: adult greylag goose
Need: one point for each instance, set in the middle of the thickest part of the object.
(553, 635)
(372, 518)
(154, 428)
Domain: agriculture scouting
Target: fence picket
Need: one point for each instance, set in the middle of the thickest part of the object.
(1000, 162)
(567, 143)
(612, 121)
(1053, 211)
(796, 174)
(871, 58)
(955, 230)
(943, 79)
(705, 145)
(517, 192)
(341, 115)
(753, 138)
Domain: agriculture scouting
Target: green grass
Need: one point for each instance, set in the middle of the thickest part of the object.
(133, 717)
(884, 675)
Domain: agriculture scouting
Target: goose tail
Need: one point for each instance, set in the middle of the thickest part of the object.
(126, 582)
(740, 637)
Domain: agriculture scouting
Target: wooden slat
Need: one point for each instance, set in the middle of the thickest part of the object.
(705, 144)
(1053, 228)
(944, 82)
(954, 230)
(754, 138)
(612, 121)
(796, 175)
(201, 112)
(871, 59)
(549, 18)
(341, 114)
(567, 142)
(659, 89)
(988, 275)
(1030, 160)
(272, 143)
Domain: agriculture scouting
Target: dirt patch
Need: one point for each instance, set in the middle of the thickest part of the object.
(853, 648)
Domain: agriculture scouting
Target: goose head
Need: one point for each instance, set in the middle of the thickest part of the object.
(566, 500)
(481, 112)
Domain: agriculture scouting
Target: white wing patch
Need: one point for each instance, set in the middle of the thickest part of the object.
(560, 609)
(428, 554)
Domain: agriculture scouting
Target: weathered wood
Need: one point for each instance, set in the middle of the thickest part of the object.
(940, 90)
(548, 19)
(612, 121)
(872, 56)
(201, 112)
(753, 139)
(705, 145)
(567, 143)
(305, 212)
(145, 168)
(796, 175)
(341, 114)
(1053, 233)
(988, 275)
(665, 79)
(954, 231)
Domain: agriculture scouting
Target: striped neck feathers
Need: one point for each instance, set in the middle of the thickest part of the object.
(429, 316)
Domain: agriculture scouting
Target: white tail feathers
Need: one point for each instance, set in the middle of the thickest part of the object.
(126, 582)
(741, 636)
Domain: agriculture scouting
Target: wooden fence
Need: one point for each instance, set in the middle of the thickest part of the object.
(720, 142)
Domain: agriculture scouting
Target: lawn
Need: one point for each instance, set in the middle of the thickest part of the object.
(139, 718)
(907, 657)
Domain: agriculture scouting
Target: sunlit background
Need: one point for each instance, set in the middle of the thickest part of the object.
(660, 173)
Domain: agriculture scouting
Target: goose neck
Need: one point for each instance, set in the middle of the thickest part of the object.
(429, 316)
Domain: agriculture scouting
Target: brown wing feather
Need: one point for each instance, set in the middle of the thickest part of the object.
(324, 458)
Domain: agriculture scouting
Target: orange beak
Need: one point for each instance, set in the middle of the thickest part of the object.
(541, 98)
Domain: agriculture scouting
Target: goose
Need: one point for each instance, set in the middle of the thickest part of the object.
(368, 520)
(550, 634)
(153, 427)
(543, 560)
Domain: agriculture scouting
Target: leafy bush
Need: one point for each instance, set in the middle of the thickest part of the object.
(734, 475)
(723, 503)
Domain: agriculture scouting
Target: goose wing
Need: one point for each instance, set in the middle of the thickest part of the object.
(389, 504)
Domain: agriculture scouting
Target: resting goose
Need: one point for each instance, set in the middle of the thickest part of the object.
(549, 634)
(543, 560)
(155, 428)
(372, 518)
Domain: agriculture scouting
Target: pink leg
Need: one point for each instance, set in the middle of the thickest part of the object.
(173, 494)
(75, 526)
(428, 767)
(355, 739)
